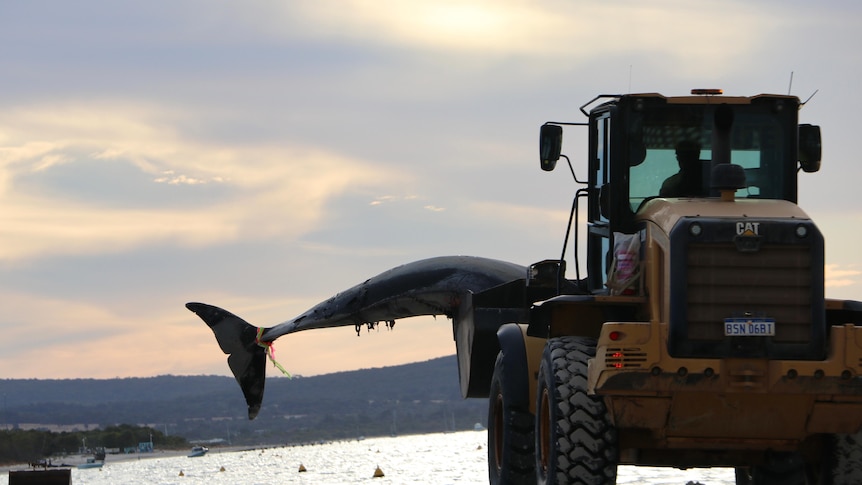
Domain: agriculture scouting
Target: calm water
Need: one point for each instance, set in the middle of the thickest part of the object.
(444, 458)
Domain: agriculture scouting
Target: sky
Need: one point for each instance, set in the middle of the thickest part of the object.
(264, 155)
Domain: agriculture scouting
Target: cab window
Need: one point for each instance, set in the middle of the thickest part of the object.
(674, 158)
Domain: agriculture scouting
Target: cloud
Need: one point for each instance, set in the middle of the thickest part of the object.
(64, 190)
(383, 199)
(75, 338)
(392, 199)
(235, 153)
(551, 29)
(838, 277)
(171, 178)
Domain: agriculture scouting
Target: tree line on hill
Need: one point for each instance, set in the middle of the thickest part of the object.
(32, 446)
(408, 399)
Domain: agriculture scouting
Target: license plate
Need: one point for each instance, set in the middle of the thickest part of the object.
(749, 327)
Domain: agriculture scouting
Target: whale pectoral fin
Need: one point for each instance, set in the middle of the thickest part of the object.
(246, 358)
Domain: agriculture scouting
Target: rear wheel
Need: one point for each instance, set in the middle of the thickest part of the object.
(511, 456)
(780, 469)
(842, 460)
(575, 441)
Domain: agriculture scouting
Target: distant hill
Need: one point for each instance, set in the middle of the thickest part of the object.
(412, 398)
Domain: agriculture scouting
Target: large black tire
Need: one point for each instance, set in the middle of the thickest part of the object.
(511, 446)
(780, 469)
(841, 464)
(842, 460)
(575, 440)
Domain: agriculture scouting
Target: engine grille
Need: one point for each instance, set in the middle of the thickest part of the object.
(719, 271)
(772, 282)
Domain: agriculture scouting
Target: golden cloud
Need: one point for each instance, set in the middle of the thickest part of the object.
(837, 277)
(680, 30)
(276, 190)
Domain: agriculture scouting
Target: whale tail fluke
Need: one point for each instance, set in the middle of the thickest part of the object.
(246, 358)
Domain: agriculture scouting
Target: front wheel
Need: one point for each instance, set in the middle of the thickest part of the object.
(510, 433)
(575, 440)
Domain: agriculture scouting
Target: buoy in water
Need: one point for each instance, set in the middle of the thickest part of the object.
(301, 468)
(221, 469)
(378, 473)
(182, 474)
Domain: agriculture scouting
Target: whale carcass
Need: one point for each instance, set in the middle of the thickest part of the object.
(437, 286)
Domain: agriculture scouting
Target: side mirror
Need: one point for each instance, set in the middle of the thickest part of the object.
(550, 145)
(810, 148)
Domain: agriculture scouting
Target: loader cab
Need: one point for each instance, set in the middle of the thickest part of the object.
(646, 146)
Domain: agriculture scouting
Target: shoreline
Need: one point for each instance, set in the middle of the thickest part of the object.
(75, 459)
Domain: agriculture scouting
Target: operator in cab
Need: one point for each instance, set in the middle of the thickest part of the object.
(688, 182)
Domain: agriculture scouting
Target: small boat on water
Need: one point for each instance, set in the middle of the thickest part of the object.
(91, 463)
(198, 451)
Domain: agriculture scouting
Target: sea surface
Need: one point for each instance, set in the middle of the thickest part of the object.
(443, 458)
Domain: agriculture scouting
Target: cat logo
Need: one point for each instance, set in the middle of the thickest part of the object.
(747, 229)
(747, 238)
